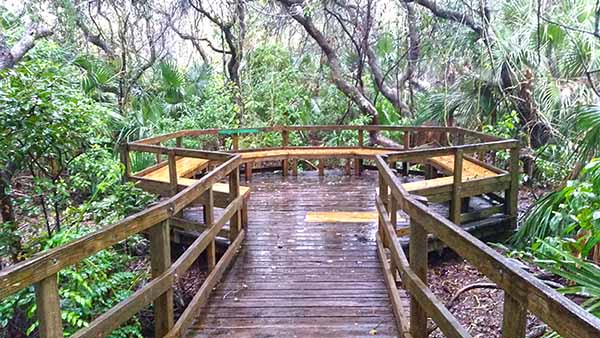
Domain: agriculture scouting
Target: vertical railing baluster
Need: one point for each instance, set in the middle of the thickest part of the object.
(160, 260)
(418, 263)
(455, 202)
(48, 307)
(361, 138)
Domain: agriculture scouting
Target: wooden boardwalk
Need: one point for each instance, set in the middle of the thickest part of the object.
(294, 278)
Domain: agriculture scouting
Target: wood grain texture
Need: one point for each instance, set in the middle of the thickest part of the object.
(294, 278)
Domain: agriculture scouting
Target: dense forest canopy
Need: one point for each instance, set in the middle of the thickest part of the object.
(80, 77)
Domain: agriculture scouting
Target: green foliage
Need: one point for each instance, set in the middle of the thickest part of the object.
(584, 276)
(87, 289)
(573, 210)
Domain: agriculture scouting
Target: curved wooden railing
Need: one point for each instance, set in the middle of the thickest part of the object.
(522, 291)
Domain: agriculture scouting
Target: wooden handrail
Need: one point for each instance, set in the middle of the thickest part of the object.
(33, 270)
(523, 291)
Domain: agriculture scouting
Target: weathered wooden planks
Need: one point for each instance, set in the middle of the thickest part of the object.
(295, 278)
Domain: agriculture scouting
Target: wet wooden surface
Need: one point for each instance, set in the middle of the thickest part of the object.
(298, 279)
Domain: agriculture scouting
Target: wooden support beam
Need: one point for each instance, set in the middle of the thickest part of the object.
(357, 166)
(512, 194)
(178, 141)
(418, 264)
(295, 167)
(456, 202)
(160, 261)
(124, 154)
(235, 141)
(361, 138)
(321, 167)
(234, 192)
(406, 145)
(172, 173)
(514, 321)
(285, 167)
(285, 138)
(248, 170)
(348, 167)
(48, 307)
(211, 255)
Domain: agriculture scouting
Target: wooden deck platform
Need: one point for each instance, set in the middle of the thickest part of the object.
(295, 278)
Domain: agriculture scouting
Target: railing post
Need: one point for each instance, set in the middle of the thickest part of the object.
(285, 140)
(514, 321)
(418, 263)
(361, 138)
(157, 156)
(160, 260)
(126, 161)
(248, 171)
(234, 192)
(406, 141)
(321, 167)
(284, 143)
(383, 190)
(512, 193)
(295, 167)
(209, 215)
(172, 172)
(455, 203)
(235, 142)
(178, 141)
(48, 307)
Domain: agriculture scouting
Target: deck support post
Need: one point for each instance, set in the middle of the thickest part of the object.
(456, 202)
(515, 318)
(295, 167)
(285, 167)
(418, 263)
(512, 194)
(348, 167)
(48, 307)
(248, 170)
(357, 166)
(209, 219)
(234, 192)
(406, 141)
(172, 172)
(160, 260)
(322, 167)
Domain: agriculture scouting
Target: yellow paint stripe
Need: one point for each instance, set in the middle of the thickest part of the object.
(341, 217)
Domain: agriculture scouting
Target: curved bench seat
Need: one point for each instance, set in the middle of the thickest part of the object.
(311, 153)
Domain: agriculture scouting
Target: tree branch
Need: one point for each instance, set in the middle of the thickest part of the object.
(10, 56)
(455, 16)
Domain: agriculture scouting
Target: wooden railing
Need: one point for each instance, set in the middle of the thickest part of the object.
(42, 270)
(522, 291)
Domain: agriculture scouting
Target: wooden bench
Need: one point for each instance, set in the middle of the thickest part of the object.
(188, 167)
(357, 154)
(442, 186)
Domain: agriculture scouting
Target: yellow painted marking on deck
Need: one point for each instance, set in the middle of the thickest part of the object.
(341, 216)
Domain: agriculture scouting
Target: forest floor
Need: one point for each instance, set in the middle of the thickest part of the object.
(478, 308)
